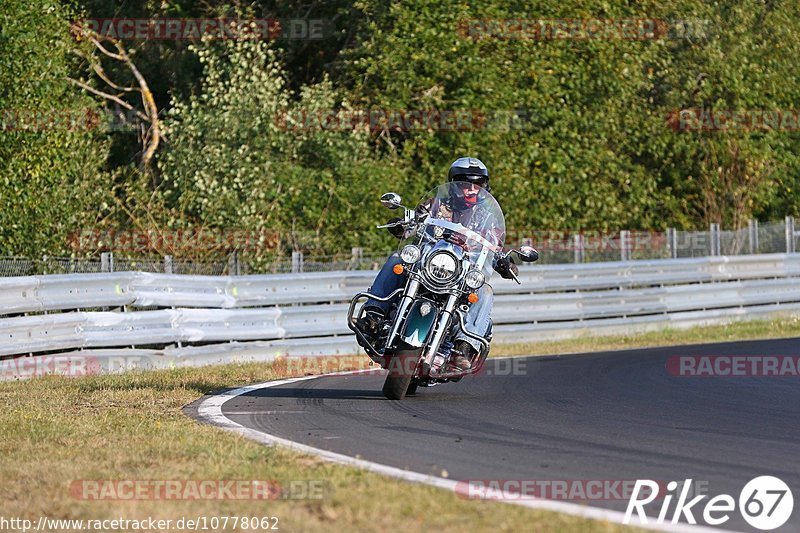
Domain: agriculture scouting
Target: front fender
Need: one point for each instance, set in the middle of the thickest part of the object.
(418, 328)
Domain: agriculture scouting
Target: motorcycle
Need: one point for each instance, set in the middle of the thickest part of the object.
(445, 265)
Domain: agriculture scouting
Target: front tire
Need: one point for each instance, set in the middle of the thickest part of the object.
(401, 367)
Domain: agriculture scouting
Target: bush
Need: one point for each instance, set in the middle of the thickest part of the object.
(52, 149)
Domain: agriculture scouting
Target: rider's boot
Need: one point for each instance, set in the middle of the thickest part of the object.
(460, 356)
(370, 321)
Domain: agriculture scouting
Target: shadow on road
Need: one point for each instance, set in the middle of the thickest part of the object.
(316, 394)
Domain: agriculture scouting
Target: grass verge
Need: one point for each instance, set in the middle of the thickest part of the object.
(57, 430)
(131, 427)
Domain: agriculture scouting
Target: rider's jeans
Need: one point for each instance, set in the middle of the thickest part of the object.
(478, 317)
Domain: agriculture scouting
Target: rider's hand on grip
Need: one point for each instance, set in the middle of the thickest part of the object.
(398, 230)
(505, 266)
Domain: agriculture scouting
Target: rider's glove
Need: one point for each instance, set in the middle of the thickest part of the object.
(505, 266)
(399, 230)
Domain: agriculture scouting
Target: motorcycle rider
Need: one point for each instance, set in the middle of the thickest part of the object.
(471, 176)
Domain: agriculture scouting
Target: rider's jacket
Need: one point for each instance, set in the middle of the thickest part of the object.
(472, 216)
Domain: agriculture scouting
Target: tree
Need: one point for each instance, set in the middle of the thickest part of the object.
(52, 150)
(238, 159)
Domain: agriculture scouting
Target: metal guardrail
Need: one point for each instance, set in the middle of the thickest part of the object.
(268, 315)
(139, 289)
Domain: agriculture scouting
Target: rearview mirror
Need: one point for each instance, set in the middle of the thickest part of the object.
(391, 200)
(527, 254)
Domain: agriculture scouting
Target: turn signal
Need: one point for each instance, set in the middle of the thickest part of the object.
(398, 269)
(472, 298)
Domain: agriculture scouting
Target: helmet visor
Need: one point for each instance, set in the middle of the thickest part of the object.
(466, 182)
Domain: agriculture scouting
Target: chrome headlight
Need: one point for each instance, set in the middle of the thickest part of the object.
(410, 254)
(425, 309)
(474, 279)
(442, 267)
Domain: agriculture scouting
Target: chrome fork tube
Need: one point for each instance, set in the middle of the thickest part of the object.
(441, 329)
(402, 309)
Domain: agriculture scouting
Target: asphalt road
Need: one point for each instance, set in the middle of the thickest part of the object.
(603, 416)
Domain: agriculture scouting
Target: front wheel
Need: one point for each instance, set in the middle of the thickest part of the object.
(401, 367)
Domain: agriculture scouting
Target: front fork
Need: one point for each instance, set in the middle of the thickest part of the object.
(441, 329)
(402, 309)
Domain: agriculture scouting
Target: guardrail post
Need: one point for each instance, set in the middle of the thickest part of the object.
(107, 262)
(234, 268)
(672, 242)
(715, 238)
(168, 264)
(297, 262)
(357, 255)
(752, 235)
(625, 245)
(789, 229)
(577, 245)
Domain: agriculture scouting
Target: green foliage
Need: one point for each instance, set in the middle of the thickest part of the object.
(235, 162)
(597, 152)
(51, 152)
(594, 147)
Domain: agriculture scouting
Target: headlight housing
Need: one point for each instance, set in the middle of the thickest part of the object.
(474, 279)
(442, 267)
(410, 254)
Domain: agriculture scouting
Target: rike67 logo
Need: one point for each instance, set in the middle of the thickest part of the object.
(766, 503)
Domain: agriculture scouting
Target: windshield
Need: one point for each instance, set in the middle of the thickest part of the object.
(466, 215)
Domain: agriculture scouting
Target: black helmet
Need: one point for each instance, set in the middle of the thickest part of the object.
(469, 169)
